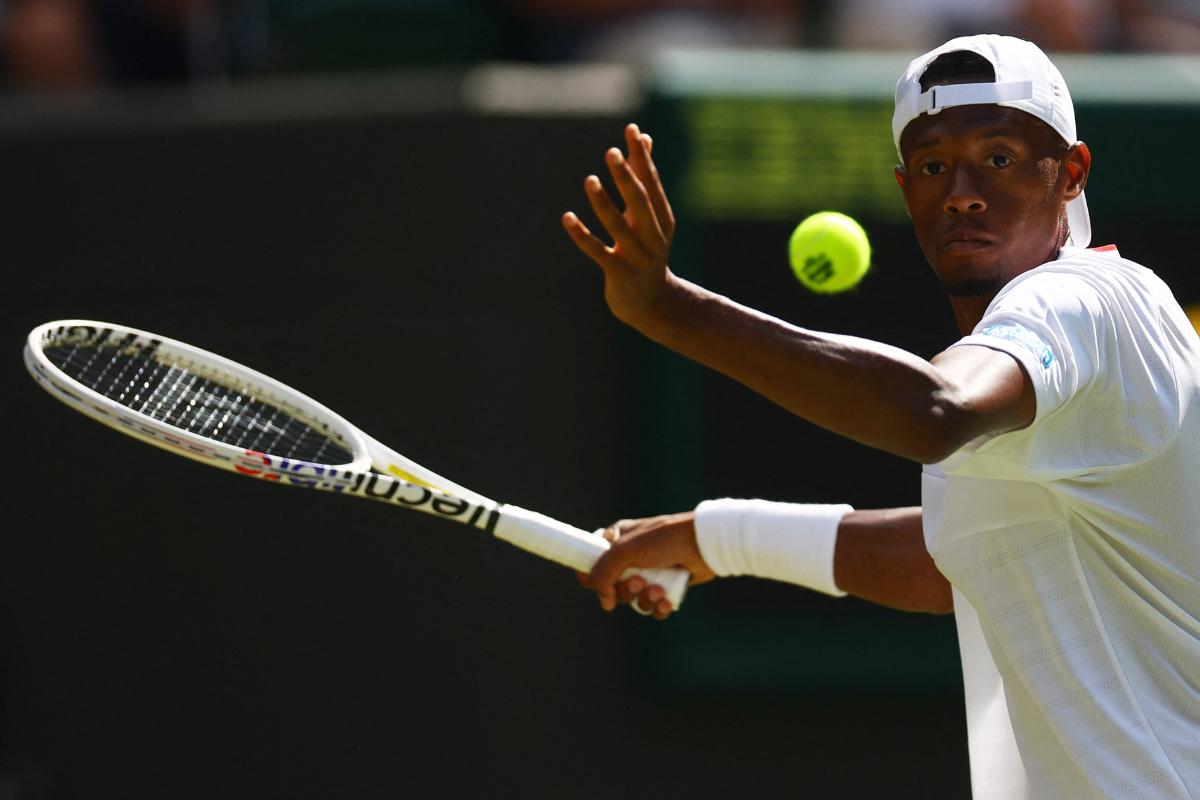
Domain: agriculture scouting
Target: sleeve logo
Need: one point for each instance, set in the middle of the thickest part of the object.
(1024, 337)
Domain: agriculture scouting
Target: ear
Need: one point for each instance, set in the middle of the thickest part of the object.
(1078, 162)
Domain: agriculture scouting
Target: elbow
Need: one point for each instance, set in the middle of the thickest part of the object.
(943, 426)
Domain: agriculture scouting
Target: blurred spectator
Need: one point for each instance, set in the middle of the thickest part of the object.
(1061, 25)
(922, 24)
(75, 44)
(1070, 25)
(1161, 25)
(153, 41)
(634, 30)
(49, 44)
(381, 34)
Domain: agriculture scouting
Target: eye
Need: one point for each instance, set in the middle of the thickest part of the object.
(999, 160)
(932, 168)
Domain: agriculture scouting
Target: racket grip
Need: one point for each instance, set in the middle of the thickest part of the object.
(576, 548)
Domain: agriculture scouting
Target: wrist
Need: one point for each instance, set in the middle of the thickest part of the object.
(668, 310)
(791, 542)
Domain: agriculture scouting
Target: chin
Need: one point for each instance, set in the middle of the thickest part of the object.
(977, 287)
(975, 274)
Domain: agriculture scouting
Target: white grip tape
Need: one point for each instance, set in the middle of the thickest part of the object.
(576, 548)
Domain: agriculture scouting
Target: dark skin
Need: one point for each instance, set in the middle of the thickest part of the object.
(986, 189)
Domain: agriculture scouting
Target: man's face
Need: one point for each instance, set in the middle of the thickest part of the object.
(985, 187)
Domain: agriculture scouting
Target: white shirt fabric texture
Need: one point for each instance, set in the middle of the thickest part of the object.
(1073, 545)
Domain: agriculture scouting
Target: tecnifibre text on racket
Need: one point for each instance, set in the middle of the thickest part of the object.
(210, 409)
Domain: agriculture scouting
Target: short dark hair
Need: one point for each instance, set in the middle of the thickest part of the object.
(959, 66)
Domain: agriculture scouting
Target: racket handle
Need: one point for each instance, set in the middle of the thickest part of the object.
(575, 548)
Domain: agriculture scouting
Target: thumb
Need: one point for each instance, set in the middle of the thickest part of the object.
(603, 579)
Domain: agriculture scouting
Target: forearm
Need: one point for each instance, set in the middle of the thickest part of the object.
(876, 555)
(876, 394)
(881, 556)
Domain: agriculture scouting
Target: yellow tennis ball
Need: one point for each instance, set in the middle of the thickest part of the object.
(829, 252)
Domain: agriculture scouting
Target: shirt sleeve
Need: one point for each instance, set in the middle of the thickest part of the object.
(1050, 322)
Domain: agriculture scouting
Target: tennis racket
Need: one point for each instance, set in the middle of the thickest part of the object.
(197, 404)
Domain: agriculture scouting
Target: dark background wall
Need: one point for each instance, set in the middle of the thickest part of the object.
(171, 631)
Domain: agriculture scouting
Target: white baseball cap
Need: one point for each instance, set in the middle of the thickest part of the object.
(1025, 79)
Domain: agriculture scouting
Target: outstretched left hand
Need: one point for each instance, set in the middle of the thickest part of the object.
(636, 275)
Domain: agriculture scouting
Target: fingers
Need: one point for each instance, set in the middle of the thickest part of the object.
(625, 240)
(611, 590)
(586, 241)
(652, 599)
(629, 590)
(607, 571)
(667, 540)
(639, 215)
(644, 229)
(640, 145)
(610, 534)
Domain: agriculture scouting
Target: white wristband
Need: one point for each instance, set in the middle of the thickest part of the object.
(790, 542)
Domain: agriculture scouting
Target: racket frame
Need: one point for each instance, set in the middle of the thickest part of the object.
(169, 437)
(409, 484)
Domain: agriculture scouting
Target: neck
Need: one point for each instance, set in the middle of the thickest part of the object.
(968, 311)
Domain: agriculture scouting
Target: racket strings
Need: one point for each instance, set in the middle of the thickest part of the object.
(173, 393)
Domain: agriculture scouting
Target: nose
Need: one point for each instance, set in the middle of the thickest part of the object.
(963, 195)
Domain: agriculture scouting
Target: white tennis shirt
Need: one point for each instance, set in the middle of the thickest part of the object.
(1074, 545)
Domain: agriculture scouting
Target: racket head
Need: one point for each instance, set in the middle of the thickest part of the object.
(192, 402)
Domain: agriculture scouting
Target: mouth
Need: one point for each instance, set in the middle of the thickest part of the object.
(966, 240)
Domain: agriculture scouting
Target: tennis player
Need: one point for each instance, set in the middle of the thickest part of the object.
(1060, 508)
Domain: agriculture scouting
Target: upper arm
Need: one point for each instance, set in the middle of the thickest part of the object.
(989, 393)
(1039, 345)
